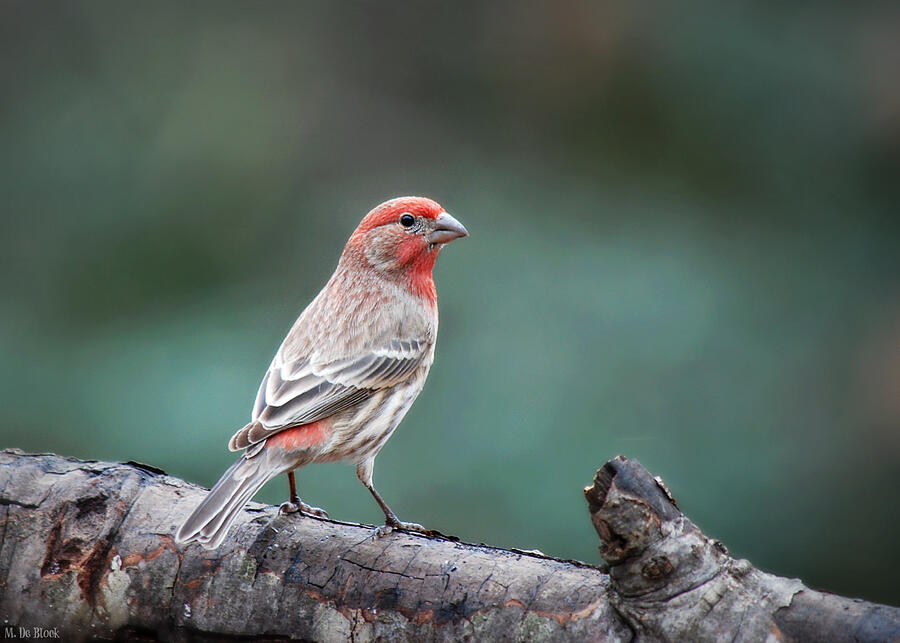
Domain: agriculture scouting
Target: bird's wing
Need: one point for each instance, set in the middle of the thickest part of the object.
(309, 389)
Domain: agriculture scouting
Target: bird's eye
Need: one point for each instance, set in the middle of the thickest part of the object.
(407, 220)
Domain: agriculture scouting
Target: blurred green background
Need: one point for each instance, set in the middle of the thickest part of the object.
(684, 248)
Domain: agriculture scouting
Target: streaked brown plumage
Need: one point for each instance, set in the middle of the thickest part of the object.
(348, 370)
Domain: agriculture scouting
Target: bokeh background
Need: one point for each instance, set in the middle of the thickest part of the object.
(684, 248)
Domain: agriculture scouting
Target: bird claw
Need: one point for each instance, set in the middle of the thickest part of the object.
(315, 512)
(288, 508)
(381, 532)
(303, 508)
(387, 528)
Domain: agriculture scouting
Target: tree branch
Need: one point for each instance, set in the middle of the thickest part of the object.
(87, 547)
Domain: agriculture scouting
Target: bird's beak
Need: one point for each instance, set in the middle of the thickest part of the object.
(446, 229)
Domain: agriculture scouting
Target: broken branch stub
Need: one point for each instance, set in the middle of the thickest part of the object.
(672, 583)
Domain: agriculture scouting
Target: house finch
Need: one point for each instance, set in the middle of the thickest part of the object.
(348, 370)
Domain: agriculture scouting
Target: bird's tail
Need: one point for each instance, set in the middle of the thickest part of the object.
(209, 522)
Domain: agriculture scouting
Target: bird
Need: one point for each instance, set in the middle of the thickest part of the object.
(348, 370)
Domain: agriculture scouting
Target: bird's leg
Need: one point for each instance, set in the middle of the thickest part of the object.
(295, 504)
(364, 473)
(294, 498)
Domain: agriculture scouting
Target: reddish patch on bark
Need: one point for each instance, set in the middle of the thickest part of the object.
(133, 559)
(515, 603)
(61, 554)
(210, 567)
(560, 617)
(300, 438)
(65, 554)
(422, 617)
(92, 570)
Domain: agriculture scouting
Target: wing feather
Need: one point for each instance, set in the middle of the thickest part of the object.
(307, 390)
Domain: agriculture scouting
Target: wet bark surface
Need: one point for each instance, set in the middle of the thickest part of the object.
(87, 548)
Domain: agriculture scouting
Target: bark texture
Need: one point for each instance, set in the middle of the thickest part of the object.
(87, 547)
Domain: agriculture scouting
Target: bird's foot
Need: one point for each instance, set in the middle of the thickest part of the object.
(391, 525)
(293, 506)
(288, 508)
(315, 512)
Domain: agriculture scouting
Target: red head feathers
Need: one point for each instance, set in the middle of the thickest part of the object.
(401, 239)
(390, 211)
